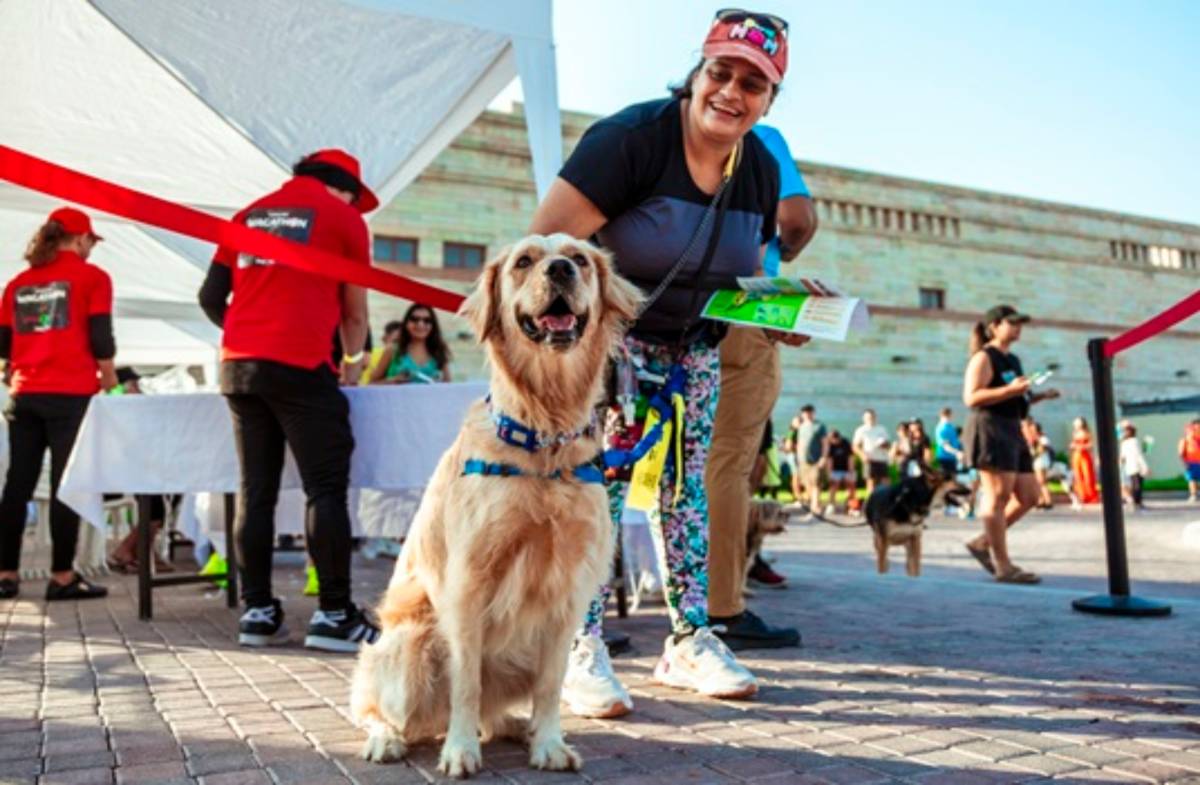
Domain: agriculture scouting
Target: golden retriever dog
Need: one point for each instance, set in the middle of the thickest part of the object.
(499, 567)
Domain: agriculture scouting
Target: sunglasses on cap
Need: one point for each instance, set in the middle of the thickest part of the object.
(769, 21)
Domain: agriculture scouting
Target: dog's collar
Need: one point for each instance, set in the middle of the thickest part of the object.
(512, 432)
(586, 472)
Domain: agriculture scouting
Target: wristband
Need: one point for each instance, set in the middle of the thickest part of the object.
(353, 359)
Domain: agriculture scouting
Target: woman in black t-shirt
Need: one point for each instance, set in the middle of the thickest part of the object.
(642, 182)
(998, 393)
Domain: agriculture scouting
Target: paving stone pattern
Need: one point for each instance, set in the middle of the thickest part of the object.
(947, 679)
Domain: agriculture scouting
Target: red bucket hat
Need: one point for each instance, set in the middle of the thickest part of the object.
(760, 39)
(367, 200)
(74, 221)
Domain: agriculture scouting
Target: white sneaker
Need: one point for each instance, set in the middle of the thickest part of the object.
(591, 689)
(702, 662)
(830, 511)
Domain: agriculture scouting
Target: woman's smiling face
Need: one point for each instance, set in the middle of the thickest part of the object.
(419, 324)
(729, 96)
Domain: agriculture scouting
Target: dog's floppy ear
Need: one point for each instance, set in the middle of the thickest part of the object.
(481, 308)
(621, 299)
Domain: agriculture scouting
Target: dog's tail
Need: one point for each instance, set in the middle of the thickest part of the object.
(404, 601)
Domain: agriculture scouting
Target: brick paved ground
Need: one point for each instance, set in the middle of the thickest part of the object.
(946, 679)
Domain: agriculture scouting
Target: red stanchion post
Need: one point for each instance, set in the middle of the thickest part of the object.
(1118, 601)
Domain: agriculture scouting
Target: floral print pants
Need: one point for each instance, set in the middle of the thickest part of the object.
(680, 525)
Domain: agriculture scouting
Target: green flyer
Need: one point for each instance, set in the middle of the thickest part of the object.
(773, 311)
(805, 306)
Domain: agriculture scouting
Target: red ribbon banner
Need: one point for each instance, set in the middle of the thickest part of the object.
(1154, 325)
(39, 175)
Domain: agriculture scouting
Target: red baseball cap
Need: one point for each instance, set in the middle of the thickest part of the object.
(759, 39)
(74, 221)
(367, 200)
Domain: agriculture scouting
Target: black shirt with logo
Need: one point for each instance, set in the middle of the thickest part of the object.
(633, 168)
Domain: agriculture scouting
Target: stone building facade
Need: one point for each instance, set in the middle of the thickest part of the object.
(928, 258)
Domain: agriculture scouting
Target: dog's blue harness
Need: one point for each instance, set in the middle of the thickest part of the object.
(517, 434)
(586, 472)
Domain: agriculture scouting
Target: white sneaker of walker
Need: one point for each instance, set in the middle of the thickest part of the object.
(703, 663)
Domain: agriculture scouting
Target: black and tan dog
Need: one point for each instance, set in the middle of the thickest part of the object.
(767, 516)
(897, 513)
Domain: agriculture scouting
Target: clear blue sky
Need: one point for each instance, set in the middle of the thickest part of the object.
(1094, 103)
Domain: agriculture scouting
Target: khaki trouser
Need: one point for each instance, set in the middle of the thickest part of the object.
(750, 384)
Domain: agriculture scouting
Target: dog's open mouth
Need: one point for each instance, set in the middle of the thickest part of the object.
(558, 325)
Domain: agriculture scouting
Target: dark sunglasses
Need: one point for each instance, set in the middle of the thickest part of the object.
(769, 21)
(420, 320)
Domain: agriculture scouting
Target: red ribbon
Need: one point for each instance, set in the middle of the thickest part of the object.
(1154, 325)
(34, 173)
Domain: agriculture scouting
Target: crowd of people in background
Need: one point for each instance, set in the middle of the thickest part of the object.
(813, 463)
(836, 473)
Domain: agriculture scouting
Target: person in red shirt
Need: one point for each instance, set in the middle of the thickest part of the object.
(56, 337)
(282, 388)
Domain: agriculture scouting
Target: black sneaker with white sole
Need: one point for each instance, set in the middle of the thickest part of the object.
(262, 626)
(343, 630)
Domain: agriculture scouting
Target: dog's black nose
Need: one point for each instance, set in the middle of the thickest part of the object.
(561, 271)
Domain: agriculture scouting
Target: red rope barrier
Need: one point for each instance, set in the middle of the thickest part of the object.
(1154, 325)
(39, 175)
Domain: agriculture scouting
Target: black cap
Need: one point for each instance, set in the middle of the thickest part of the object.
(1005, 313)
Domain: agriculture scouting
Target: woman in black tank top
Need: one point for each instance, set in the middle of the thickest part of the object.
(998, 394)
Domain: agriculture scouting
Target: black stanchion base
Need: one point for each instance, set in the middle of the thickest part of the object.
(1116, 605)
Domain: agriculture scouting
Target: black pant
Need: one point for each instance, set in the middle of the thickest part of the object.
(37, 421)
(274, 404)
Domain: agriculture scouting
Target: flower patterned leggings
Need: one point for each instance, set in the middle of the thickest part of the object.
(680, 532)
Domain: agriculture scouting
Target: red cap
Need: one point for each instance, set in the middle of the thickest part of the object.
(367, 200)
(74, 221)
(746, 39)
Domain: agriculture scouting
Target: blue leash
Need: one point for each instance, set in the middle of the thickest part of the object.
(585, 472)
(661, 403)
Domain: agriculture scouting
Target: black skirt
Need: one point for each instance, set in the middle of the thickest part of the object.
(996, 444)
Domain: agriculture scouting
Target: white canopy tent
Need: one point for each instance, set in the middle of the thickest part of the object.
(209, 102)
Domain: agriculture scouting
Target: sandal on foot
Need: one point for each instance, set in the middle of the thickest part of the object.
(1016, 575)
(984, 557)
(78, 589)
(123, 566)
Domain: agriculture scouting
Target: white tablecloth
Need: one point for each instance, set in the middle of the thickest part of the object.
(184, 443)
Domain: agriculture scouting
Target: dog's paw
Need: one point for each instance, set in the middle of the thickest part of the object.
(460, 758)
(554, 754)
(383, 746)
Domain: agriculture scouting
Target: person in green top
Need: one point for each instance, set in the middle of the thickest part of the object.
(419, 356)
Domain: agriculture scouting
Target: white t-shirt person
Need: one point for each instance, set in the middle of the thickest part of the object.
(871, 441)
